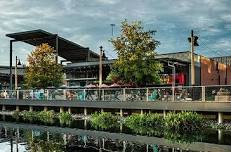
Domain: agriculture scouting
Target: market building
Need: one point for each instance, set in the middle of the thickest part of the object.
(83, 66)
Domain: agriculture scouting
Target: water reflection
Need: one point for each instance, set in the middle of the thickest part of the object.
(44, 141)
(31, 137)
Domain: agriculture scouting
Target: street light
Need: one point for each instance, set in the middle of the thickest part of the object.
(100, 66)
(173, 78)
(16, 75)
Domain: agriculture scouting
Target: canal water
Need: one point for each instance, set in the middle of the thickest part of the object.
(80, 136)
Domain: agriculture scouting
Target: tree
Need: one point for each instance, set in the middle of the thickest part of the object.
(43, 71)
(136, 61)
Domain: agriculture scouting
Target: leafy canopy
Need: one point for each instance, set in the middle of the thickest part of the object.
(136, 62)
(43, 71)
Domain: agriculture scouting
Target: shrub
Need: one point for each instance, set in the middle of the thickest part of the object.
(183, 121)
(46, 116)
(65, 117)
(146, 120)
(29, 115)
(16, 115)
(104, 120)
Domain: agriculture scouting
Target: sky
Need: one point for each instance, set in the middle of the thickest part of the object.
(88, 23)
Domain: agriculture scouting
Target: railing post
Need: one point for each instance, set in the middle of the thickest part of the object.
(124, 94)
(147, 91)
(17, 94)
(173, 93)
(46, 94)
(32, 93)
(64, 94)
(84, 94)
(203, 93)
(103, 94)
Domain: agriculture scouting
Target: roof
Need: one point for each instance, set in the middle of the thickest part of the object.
(67, 49)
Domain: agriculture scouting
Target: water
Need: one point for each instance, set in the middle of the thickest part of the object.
(80, 136)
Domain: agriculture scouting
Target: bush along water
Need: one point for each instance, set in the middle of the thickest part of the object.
(104, 120)
(65, 118)
(46, 116)
(183, 121)
(183, 127)
(32, 116)
(145, 120)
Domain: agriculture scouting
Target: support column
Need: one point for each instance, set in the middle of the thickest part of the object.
(149, 111)
(3, 117)
(61, 109)
(220, 136)
(164, 113)
(121, 112)
(48, 136)
(141, 111)
(203, 93)
(17, 108)
(31, 108)
(45, 108)
(3, 108)
(85, 111)
(101, 110)
(65, 139)
(5, 130)
(147, 147)
(220, 117)
(103, 143)
(124, 146)
(17, 139)
(85, 124)
(69, 110)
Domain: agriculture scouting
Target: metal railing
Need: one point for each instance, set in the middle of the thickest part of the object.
(152, 94)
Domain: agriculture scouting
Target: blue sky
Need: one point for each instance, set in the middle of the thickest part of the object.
(87, 22)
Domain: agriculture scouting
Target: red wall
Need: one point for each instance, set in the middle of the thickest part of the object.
(210, 72)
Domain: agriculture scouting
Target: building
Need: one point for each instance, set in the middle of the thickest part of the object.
(84, 63)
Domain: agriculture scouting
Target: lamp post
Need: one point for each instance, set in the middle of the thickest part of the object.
(193, 42)
(173, 79)
(100, 66)
(16, 75)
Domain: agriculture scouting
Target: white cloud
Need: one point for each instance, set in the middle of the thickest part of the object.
(87, 22)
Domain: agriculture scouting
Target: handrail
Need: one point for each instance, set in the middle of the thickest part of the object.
(162, 93)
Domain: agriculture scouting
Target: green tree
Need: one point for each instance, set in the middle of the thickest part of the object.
(136, 61)
(43, 71)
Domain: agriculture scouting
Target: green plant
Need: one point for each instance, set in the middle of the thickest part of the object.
(104, 120)
(146, 120)
(65, 117)
(16, 115)
(183, 121)
(29, 115)
(46, 116)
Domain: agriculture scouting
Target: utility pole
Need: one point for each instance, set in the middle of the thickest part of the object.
(192, 60)
(193, 42)
(100, 65)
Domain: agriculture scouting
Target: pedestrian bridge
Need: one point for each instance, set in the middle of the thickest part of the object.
(203, 99)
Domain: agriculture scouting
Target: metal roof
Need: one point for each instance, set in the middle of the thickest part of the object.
(67, 49)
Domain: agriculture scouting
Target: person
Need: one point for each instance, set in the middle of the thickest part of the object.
(5, 94)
